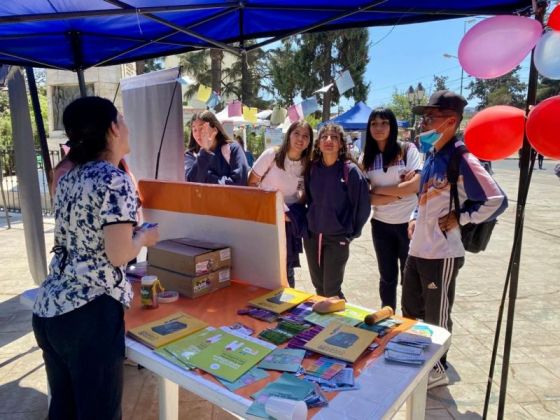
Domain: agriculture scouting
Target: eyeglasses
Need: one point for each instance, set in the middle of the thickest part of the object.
(428, 119)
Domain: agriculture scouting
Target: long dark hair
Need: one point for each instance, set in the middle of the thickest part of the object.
(86, 122)
(285, 147)
(210, 118)
(392, 148)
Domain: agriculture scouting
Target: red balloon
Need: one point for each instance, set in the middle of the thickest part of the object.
(543, 130)
(496, 132)
(554, 19)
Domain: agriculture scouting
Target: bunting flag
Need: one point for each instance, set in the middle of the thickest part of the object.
(203, 93)
(344, 82)
(234, 109)
(295, 113)
(324, 89)
(278, 115)
(309, 106)
(250, 114)
(213, 100)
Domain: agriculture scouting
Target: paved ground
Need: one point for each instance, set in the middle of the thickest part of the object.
(534, 377)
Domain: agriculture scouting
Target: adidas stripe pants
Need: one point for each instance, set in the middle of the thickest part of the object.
(428, 292)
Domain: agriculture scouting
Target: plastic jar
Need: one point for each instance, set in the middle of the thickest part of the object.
(148, 292)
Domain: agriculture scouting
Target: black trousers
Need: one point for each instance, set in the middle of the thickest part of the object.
(84, 353)
(429, 292)
(391, 243)
(326, 259)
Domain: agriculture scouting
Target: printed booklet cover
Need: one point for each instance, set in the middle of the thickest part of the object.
(181, 351)
(352, 315)
(341, 341)
(228, 355)
(280, 300)
(163, 331)
(287, 360)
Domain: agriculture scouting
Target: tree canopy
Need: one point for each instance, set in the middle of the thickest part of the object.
(505, 90)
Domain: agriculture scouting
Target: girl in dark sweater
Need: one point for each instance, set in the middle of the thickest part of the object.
(217, 159)
(338, 207)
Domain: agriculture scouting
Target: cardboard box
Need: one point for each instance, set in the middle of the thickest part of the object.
(192, 286)
(189, 256)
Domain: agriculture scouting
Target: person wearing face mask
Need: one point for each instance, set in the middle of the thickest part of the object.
(212, 157)
(436, 252)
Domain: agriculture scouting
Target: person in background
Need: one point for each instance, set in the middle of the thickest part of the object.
(393, 170)
(78, 315)
(338, 204)
(248, 154)
(282, 169)
(540, 160)
(219, 160)
(436, 250)
(192, 149)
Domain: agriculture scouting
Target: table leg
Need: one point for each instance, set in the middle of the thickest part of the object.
(168, 400)
(416, 403)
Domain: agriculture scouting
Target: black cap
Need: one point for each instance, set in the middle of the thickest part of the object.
(444, 100)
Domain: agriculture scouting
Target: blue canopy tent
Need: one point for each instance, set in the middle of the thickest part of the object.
(356, 118)
(353, 119)
(78, 34)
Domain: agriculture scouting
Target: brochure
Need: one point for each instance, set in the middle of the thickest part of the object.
(254, 375)
(280, 300)
(352, 315)
(341, 341)
(325, 368)
(184, 349)
(165, 330)
(286, 386)
(230, 355)
(287, 360)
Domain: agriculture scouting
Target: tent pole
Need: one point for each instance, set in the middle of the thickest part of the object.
(77, 52)
(522, 192)
(31, 82)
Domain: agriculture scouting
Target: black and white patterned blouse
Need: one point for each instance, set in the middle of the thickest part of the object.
(88, 197)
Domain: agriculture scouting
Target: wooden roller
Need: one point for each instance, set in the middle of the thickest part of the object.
(383, 313)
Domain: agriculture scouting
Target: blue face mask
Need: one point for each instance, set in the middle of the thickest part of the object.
(427, 139)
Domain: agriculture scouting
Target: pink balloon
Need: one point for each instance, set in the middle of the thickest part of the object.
(494, 46)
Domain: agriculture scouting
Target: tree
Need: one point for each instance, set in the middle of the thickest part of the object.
(148, 65)
(440, 83)
(504, 90)
(320, 56)
(283, 79)
(547, 88)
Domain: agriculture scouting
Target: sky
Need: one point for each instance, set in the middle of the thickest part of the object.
(404, 55)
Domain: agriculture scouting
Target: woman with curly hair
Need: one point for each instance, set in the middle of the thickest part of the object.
(338, 207)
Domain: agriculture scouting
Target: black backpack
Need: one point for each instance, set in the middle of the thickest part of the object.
(475, 237)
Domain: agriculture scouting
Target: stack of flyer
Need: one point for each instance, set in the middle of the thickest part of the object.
(407, 348)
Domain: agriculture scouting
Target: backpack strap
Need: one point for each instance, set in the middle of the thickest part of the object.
(453, 177)
(405, 146)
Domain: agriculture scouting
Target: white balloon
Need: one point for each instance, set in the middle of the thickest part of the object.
(547, 55)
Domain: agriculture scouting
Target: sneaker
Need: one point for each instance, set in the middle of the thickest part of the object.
(437, 378)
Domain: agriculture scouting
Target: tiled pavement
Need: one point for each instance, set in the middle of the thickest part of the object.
(534, 377)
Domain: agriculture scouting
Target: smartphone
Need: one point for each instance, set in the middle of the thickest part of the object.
(147, 225)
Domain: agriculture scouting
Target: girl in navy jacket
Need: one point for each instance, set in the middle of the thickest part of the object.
(217, 159)
(338, 207)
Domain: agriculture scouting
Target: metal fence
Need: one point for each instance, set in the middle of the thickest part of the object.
(9, 197)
